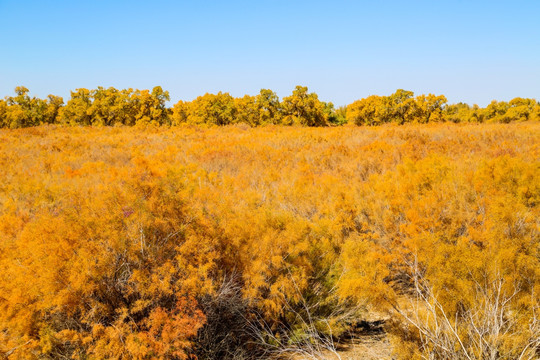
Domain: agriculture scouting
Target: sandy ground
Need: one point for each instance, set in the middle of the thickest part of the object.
(368, 343)
(373, 347)
(367, 348)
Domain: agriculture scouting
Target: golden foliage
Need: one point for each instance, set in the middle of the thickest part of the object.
(111, 236)
(110, 107)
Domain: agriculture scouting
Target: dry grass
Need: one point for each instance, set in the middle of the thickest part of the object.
(112, 209)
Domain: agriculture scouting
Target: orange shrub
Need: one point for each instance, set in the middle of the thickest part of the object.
(112, 238)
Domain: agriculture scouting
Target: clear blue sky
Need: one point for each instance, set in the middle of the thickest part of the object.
(472, 51)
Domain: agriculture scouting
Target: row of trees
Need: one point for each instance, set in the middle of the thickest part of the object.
(517, 109)
(130, 107)
(302, 108)
(86, 107)
(400, 107)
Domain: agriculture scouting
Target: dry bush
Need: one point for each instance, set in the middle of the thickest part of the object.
(108, 232)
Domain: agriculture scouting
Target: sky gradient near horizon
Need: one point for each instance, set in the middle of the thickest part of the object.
(470, 51)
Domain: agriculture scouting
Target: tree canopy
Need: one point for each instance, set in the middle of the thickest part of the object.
(109, 107)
